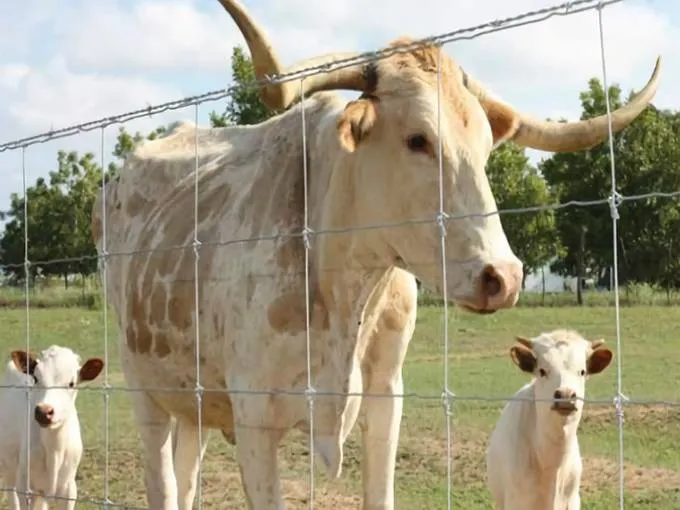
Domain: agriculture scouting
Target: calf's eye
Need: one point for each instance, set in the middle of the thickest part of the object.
(582, 372)
(542, 373)
(71, 384)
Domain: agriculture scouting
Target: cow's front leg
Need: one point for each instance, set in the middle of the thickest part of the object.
(381, 417)
(256, 452)
(154, 425)
(188, 457)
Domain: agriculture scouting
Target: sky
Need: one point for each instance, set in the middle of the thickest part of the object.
(64, 63)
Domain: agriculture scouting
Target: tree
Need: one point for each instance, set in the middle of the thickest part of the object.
(646, 157)
(516, 184)
(244, 105)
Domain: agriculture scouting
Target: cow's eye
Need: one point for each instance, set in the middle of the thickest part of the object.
(582, 372)
(542, 372)
(417, 143)
(71, 384)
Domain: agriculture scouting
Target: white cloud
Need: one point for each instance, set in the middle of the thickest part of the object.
(153, 35)
(66, 63)
(54, 96)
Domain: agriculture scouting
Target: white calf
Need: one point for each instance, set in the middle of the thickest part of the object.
(54, 432)
(533, 460)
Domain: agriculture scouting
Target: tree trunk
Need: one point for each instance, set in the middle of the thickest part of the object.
(542, 285)
(579, 269)
(66, 281)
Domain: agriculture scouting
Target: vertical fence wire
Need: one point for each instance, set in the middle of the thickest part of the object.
(106, 388)
(613, 205)
(27, 272)
(447, 396)
(441, 219)
(197, 343)
(306, 234)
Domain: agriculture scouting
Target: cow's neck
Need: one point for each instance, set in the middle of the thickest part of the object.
(348, 264)
(346, 270)
(554, 439)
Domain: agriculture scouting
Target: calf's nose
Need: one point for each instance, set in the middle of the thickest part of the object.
(565, 394)
(43, 414)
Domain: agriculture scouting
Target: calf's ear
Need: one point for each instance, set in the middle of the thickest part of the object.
(24, 361)
(90, 369)
(599, 360)
(524, 358)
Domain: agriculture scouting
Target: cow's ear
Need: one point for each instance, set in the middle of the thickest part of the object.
(356, 122)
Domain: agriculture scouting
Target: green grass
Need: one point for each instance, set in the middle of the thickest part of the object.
(478, 366)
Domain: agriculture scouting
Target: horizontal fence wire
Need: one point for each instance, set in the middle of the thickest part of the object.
(322, 393)
(527, 18)
(299, 233)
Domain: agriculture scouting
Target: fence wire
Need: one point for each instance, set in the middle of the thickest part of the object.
(446, 397)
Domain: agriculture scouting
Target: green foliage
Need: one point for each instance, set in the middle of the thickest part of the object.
(516, 184)
(647, 159)
(244, 106)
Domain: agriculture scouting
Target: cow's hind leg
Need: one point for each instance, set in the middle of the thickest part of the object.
(381, 418)
(155, 428)
(188, 458)
(256, 452)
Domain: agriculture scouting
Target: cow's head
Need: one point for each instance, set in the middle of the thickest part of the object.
(392, 134)
(57, 375)
(560, 361)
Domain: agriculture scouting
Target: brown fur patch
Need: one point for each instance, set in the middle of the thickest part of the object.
(287, 314)
(135, 204)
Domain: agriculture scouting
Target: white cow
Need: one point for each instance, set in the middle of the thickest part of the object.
(53, 435)
(372, 161)
(533, 459)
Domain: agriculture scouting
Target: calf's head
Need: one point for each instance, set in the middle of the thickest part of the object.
(560, 361)
(57, 374)
(419, 112)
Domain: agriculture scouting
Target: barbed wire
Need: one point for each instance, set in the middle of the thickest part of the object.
(468, 33)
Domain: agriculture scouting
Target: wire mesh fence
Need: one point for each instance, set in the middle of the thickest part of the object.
(454, 404)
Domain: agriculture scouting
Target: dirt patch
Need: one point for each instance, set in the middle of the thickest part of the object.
(460, 356)
(601, 472)
(469, 468)
(653, 415)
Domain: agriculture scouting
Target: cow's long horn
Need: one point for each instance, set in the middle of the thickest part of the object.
(572, 136)
(266, 63)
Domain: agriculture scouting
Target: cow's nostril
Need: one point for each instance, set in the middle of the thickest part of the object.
(491, 283)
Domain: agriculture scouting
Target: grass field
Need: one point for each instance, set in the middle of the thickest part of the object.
(479, 367)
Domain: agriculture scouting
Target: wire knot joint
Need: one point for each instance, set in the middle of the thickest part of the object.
(619, 400)
(615, 200)
(446, 398)
(306, 237)
(439, 220)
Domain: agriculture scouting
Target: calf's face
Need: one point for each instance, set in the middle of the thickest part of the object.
(57, 375)
(560, 361)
